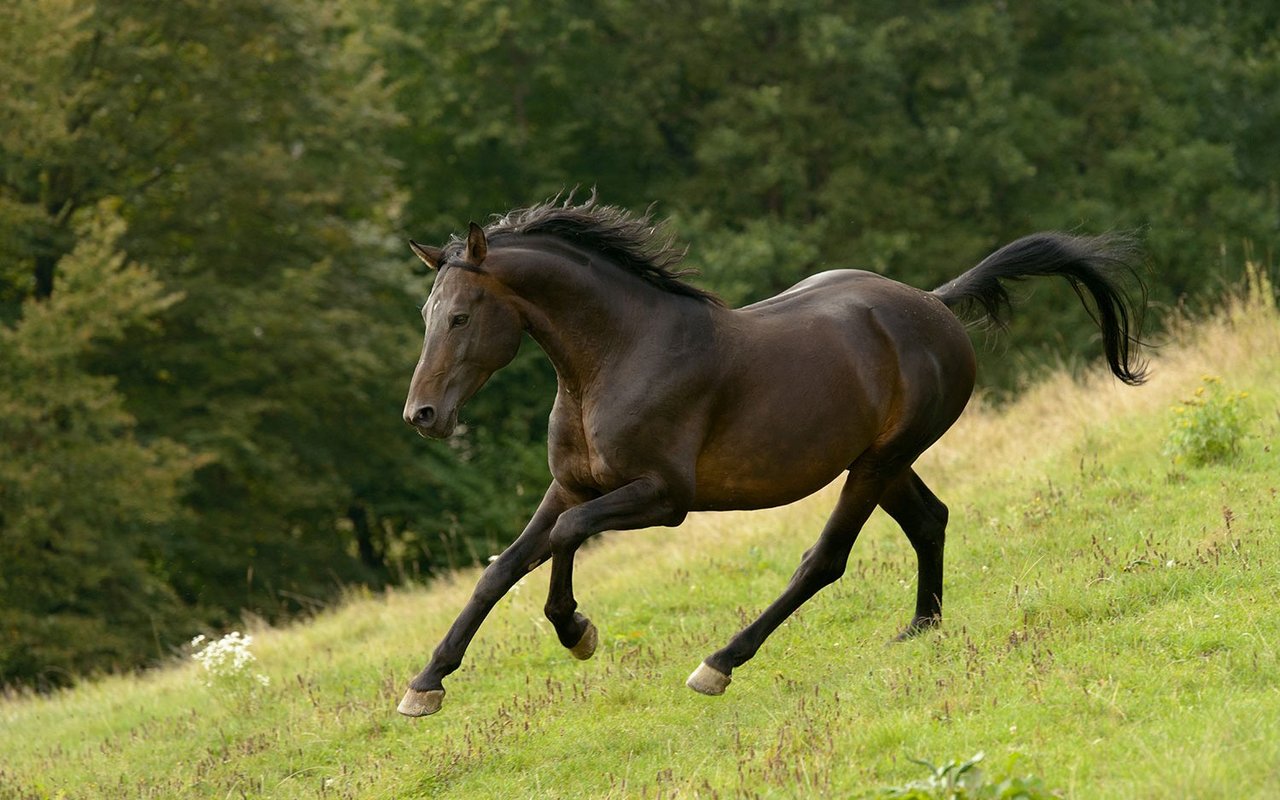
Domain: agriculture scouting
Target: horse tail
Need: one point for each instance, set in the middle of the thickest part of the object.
(1092, 264)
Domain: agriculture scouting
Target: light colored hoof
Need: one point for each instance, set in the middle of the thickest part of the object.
(708, 680)
(420, 704)
(586, 646)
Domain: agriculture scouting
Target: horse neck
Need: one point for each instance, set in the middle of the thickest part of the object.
(584, 313)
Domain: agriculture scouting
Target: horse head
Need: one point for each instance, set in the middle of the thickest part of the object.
(472, 330)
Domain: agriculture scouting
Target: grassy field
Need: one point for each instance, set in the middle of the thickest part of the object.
(1111, 616)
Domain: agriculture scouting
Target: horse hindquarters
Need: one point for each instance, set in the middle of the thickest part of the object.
(933, 368)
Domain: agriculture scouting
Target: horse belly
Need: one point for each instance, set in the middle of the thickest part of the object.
(784, 446)
(743, 489)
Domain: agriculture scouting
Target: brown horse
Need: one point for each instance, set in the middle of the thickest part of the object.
(670, 402)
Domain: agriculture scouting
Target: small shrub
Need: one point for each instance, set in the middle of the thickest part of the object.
(963, 780)
(1208, 426)
(228, 662)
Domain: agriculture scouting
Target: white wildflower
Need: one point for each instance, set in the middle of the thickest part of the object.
(227, 660)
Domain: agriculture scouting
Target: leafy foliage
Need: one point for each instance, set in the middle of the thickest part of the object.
(83, 498)
(266, 160)
(1208, 425)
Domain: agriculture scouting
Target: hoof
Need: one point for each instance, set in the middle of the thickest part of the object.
(918, 626)
(586, 646)
(420, 704)
(708, 680)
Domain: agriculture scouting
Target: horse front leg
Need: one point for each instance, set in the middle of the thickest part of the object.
(822, 565)
(531, 548)
(639, 504)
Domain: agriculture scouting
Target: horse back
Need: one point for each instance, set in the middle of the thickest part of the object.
(813, 378)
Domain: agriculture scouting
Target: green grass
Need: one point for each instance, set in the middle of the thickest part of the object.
(1111, 616)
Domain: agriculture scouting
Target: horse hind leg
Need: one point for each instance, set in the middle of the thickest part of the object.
(822, 565)
(923, 518)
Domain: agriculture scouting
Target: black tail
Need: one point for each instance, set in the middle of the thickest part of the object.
(1092, 263)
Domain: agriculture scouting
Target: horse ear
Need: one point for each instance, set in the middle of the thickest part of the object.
(429, 255)
(477, 246)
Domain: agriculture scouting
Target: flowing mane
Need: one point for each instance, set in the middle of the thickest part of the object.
(634, 242)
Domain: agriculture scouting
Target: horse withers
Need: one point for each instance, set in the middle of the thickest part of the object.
(670, 402)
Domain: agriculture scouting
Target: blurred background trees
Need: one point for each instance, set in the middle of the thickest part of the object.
(208, 317)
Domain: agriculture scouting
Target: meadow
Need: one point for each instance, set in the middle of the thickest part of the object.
(1110, 631)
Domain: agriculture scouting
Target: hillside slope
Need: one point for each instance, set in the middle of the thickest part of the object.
(1110, 617)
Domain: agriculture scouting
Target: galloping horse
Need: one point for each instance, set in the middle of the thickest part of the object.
(670, 402)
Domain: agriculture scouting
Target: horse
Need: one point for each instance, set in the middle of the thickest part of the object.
(668, 401)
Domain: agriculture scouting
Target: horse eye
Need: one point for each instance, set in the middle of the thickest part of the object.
(459, 320)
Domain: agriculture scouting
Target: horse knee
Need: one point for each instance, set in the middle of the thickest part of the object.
(563, 539)
(569, 532)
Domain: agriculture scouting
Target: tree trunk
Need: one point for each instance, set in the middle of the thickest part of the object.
(44, 276)
(369, 555)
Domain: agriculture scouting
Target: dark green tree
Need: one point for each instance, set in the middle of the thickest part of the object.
(239, 144)
(266, 161)
(84, 501)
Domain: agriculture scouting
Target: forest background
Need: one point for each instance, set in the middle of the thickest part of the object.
(208, 314)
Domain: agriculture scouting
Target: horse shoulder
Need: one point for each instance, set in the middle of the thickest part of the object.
(622, 429)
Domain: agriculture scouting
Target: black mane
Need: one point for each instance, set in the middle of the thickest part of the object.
(634, 242)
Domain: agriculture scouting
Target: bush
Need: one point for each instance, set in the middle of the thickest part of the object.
(1208, 426)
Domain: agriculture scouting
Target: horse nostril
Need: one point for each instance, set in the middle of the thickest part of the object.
(423, 417)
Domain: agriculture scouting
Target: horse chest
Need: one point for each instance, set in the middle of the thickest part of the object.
(583, 454)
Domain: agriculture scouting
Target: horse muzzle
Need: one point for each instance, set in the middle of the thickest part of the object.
(431, 424)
